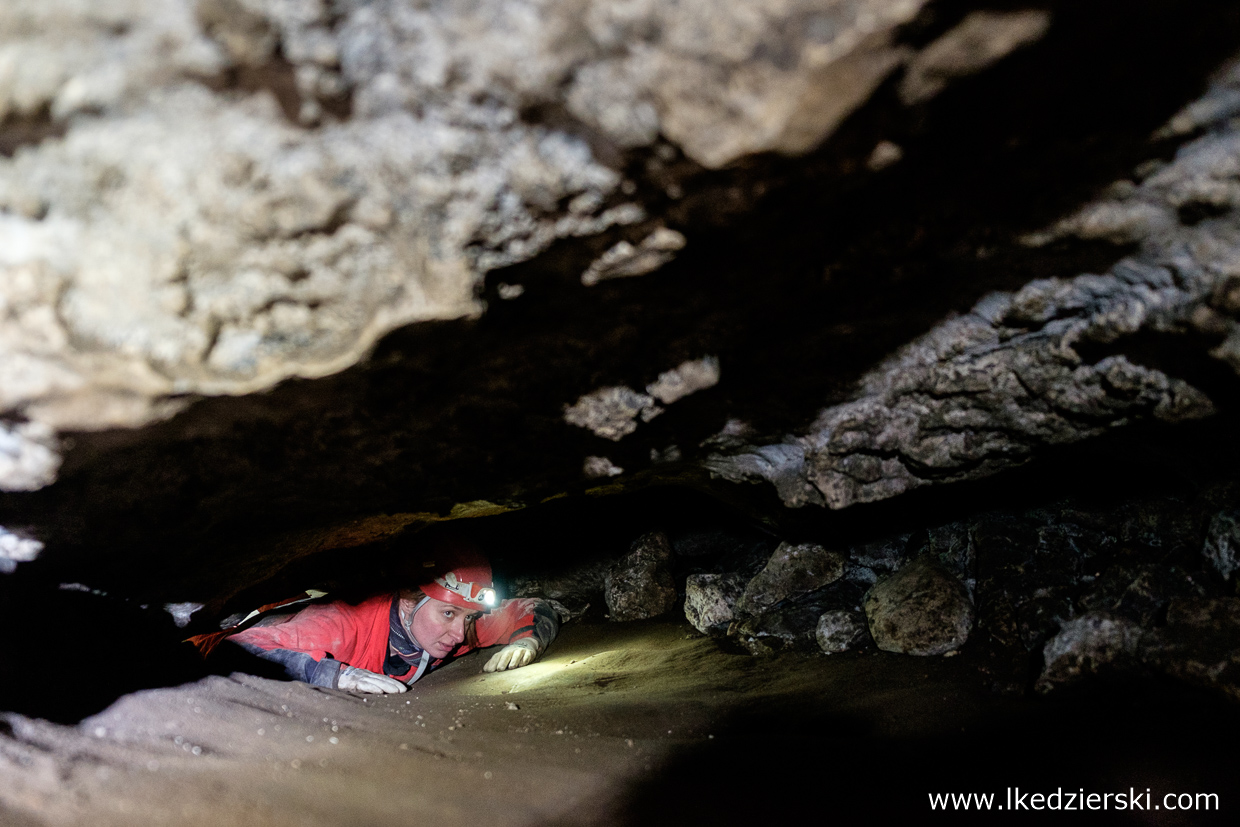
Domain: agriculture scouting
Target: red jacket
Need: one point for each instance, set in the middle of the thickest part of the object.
(358, 635)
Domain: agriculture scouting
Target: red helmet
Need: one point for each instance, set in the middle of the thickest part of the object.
(460, 575)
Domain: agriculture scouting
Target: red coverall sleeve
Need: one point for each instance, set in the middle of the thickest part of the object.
(515, 619)
(318, 631)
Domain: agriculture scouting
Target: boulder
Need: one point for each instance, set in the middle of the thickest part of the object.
(791, 571)
(840, 631)
(710, 600)
(920, 610)
(640, 585)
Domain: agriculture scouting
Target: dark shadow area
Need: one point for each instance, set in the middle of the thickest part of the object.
(69, 653)
(27, 130)
(795, 762)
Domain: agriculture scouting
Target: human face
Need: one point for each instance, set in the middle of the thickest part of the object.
(439, 627)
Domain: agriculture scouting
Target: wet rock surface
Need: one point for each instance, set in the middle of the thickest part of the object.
(922, 609)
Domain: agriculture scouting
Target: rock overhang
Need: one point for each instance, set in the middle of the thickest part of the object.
(443, 413)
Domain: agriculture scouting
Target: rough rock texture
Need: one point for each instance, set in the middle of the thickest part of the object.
(920, 610)
(1222, 546)
(710, 600)
(839, 631)
(1088, 645)
(1050, 363)
(793, 569)
(233, 192)
(639, 585)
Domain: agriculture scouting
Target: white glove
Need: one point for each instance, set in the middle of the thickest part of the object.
(363, 680)
(513, 656)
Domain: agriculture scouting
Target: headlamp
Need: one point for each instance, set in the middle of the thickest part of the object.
(483, 596)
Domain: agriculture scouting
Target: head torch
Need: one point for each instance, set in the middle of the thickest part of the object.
(467, 593)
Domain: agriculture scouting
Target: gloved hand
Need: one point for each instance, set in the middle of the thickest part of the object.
(513, 656)
(363, 680)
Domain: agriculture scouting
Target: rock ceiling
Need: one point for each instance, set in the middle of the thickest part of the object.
(285, 276)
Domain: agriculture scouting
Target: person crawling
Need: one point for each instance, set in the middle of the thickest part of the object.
(386, 643)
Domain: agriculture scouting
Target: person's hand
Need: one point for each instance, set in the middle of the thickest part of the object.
(513, 656)
(363, 680)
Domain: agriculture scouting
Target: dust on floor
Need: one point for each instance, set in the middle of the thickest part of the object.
(645, 723)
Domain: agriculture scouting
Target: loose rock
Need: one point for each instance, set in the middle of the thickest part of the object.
(920, 610)
(840, 631)
(792, 570)
(639, 585)
(710, 600)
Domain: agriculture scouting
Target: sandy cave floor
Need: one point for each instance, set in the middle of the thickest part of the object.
(645, 723)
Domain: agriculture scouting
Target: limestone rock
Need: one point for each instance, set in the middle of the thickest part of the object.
(640, 585)
(1200, 643)
(920, 610)
(839, 631)
(194, 234)
(792, 570)
(710, 600)
(1092, 643)
(1222, 546)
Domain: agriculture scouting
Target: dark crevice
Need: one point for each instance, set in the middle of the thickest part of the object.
(17, 131)
(1194, 212)
(278, 77)
(1183, 356)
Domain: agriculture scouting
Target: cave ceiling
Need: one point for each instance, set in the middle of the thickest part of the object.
(287, 278)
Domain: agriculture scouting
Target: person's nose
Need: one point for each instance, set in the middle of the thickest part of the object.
(457, 631)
